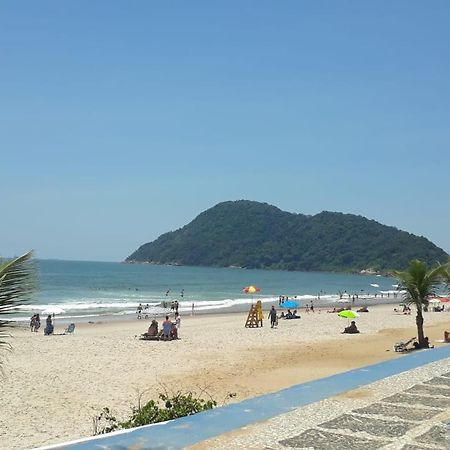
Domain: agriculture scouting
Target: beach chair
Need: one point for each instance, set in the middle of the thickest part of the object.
(403, 346)
(70, 329)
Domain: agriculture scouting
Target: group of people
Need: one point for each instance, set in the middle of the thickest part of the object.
(35, 324)
(273, 317)
(289, 315)
(169, 329)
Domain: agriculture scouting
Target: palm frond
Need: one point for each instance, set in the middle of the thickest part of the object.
(421, 283)
(17, 282)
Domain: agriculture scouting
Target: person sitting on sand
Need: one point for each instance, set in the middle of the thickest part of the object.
(152, 329)
(167, 328)
(351, 329)
(294, 315)
(363, 309)
(447, 336)
(174, 332)
(417, 346)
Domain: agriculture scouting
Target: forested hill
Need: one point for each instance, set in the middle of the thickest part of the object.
(257, 235)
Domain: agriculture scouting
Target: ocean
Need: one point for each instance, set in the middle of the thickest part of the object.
(86, 289)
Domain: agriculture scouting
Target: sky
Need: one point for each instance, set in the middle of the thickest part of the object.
(120, 121)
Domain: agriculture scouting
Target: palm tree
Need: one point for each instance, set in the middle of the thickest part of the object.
(17, 282)
(420, 283)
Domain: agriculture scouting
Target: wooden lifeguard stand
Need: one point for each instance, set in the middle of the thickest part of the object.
(255, 316)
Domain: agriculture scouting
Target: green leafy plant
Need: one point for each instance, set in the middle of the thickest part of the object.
(167, 407)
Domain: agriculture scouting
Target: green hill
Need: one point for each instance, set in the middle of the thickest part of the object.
(257, 235)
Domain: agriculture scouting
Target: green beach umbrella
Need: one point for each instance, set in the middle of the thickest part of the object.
(347, 314)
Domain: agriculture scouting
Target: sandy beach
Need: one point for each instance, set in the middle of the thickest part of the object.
(54, 386)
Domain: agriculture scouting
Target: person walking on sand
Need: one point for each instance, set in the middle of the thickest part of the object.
(272, 316)
(32, 322)
(37, 323)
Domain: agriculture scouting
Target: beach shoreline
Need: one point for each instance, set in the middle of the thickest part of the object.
(319, 304)
(71, 378)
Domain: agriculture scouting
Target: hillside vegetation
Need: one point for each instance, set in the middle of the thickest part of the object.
(257, 235)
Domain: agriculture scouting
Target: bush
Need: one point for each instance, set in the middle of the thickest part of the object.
(165, 408)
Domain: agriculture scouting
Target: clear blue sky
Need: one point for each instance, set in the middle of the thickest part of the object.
(122, 120)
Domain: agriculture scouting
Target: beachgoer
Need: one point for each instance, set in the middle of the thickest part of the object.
(351, 329)
(426, 344)
(152, 329)
(37, 323)
(139, 311)
(192, 308)
(272, 316)
(167, 328)
(49, 326)
(32, 322)
(182, 293)
(312, 307)
(174, 332)
(446, 336)
(176, 306)
(177, 320)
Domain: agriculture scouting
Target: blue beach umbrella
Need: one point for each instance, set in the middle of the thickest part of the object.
(289, 304)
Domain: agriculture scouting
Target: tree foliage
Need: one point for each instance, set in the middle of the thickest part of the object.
(421, 283)
(17, 282)
(257, 235)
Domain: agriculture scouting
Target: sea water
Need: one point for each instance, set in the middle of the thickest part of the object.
(88, 289)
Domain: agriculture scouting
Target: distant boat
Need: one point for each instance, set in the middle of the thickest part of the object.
(375, 285)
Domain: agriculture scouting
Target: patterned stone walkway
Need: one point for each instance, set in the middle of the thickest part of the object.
(409, 411)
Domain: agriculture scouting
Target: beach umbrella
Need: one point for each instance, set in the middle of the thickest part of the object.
(444, 299)
(348, 314)
(289, 304)
(251, 289)
(53, 309)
